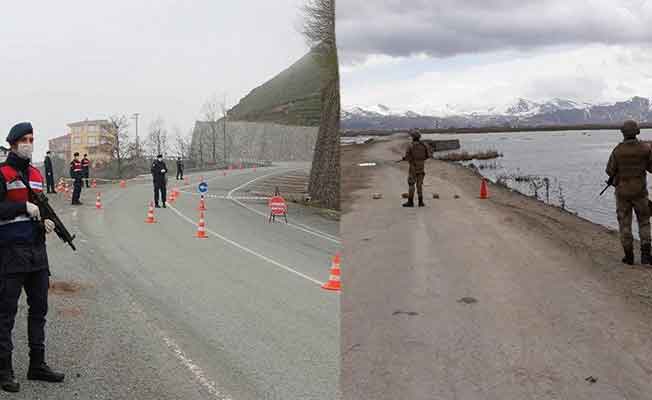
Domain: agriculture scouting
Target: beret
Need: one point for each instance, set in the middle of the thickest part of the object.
(18, 131)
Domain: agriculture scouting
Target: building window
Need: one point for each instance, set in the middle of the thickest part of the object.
(76, 140)
(92, 140)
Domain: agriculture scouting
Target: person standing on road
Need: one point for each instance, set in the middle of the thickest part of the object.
(76, 173)
(179, 169)
(86, 166)
(416, 154)
(159, 171)
(627, 169)
(23, 259)
(49, 174)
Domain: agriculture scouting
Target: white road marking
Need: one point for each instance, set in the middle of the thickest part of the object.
(248, 250)
(198, 373)
(303, 228)
(195, 370)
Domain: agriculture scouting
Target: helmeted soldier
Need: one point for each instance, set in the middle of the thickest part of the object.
(627, 169)
(416, 154)
(23, 258)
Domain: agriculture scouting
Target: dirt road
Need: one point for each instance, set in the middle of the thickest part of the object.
(505, 298)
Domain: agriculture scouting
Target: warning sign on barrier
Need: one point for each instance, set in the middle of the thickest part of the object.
(277, 207)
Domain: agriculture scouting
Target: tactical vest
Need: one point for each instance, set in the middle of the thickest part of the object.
(21, 228)
(76, 165)
(419, 153)
(632, 159)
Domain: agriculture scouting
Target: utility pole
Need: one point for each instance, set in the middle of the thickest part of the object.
(137, 140)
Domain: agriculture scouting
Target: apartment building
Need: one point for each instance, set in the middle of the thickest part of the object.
(60, 147)
(85, 137)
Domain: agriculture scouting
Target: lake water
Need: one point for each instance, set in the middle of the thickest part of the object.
(573, 161)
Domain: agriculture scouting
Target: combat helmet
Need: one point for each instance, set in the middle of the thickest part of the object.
(630, 129)
(415, 134)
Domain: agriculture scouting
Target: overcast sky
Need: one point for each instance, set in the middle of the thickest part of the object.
(422, 54)
(65, 61)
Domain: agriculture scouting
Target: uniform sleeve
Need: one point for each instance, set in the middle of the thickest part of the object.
(612, 168)
(9, 209)
(408, 154)
(649, 161)
(152, 170)
(72, 170)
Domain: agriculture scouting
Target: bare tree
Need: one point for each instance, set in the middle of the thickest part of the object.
(157, 139)
(211, 114)
(117, 138)
(182, 143)
(227, 140)
(319, 31)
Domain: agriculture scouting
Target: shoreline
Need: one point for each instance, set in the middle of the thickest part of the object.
(579, 234)
(486, 130)
(490, 281)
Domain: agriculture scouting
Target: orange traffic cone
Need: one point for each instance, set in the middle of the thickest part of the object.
(334, 280)
(94, 183)
(201, 227)
(202, 204)
(171, 197)
(484, 190)
(98, 201)
(150, 214)
(123, 184)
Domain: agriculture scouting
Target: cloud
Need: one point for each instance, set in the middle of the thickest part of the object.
(446, 28)
(81, 59)
(593, 74)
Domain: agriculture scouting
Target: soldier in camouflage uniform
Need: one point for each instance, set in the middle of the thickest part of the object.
(627, 169)
(416, 154)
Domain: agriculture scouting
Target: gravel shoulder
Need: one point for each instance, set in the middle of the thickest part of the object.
(505, 298)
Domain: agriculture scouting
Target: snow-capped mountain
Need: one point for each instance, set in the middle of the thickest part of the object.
(520, 112)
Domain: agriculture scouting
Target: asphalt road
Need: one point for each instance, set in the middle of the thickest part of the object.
(154, 312)
(471, 299)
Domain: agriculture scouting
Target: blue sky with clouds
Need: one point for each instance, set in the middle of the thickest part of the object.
(423, 55)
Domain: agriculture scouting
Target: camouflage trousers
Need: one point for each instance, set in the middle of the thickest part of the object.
(624, 209)
(418, 180)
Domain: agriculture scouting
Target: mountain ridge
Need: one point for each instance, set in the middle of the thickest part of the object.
(522, 112)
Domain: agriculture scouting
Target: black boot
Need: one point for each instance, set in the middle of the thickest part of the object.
(629, 257)
(409, 203)
(7, 378)
(646, 257)
(39, 370)
(421, 204)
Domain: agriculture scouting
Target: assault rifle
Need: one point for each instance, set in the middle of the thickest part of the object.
(47, 212)
(610, 182)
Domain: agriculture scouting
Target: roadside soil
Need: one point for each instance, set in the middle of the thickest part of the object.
(504, 298)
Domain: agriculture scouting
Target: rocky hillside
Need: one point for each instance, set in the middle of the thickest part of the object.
(290, 98)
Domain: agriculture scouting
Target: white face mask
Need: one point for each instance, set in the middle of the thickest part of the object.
(25, 150)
